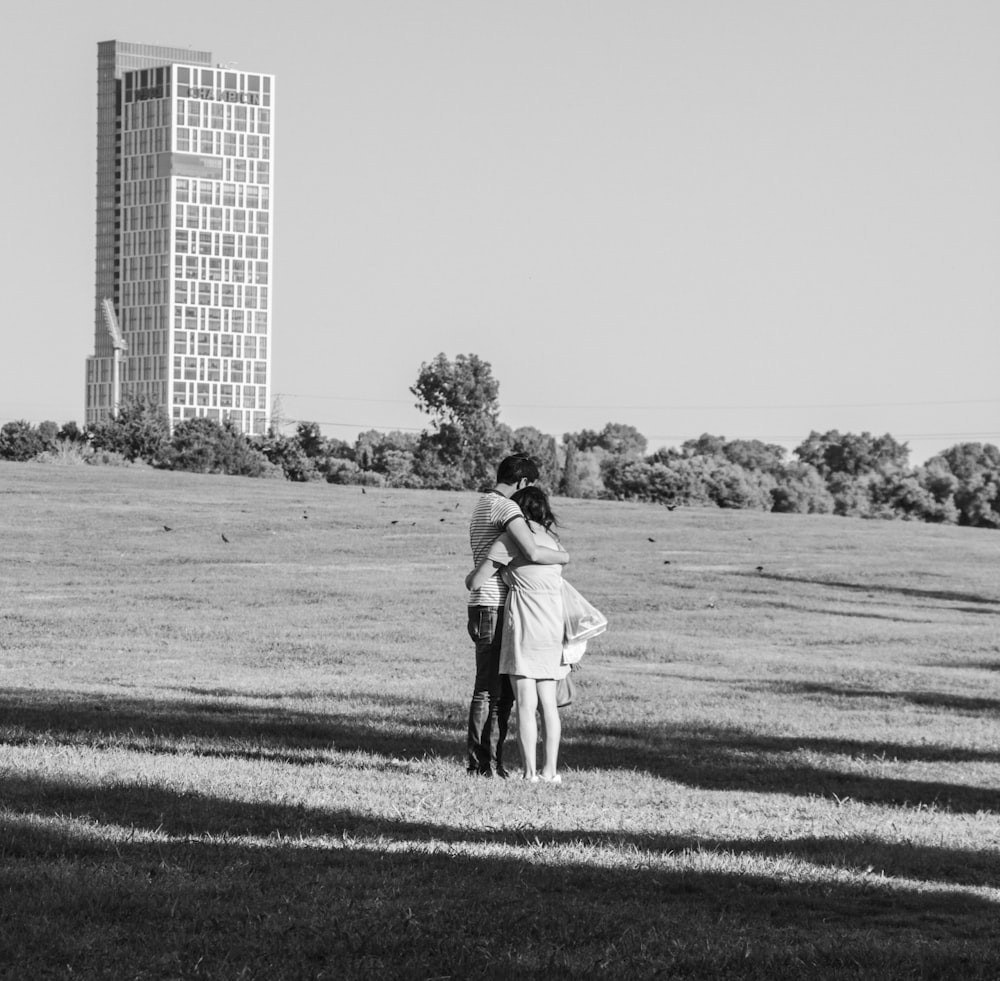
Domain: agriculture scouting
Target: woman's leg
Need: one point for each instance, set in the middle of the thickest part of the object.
(527, 729)
(546, 691)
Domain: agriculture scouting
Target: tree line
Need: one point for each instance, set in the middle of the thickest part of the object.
(857, 475)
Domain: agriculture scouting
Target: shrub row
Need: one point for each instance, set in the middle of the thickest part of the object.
(831, 473)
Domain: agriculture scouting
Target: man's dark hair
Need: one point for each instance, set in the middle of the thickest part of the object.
(517, 468)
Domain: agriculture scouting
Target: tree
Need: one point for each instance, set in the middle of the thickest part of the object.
(850, 454)
(622, 440)
(459, 392)
(801, 490)
(730, 486)
(70, 432)
(468, 440)
(48, 432)
(704, 445)
(203, 445)
(138, 430)
(20, 441)
(309, 438)
(569, 483)
(900, 494)
(390, 455)
(940, 484)
(543, 450)
(752, 454)
(615, 438)
(286, 453)
(975, 468)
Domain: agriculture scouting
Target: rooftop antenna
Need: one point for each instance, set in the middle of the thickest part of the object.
(120, 347)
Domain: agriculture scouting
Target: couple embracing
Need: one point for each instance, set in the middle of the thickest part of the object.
(515, 621)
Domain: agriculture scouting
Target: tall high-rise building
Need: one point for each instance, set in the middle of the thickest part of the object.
(184, 232)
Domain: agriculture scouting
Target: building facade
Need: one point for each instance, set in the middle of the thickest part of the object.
(184, 236)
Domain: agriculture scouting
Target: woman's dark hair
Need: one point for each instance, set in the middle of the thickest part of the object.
(534, 505)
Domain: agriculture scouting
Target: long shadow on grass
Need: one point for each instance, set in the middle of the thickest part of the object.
(948, 596)
(853, 614)
(380, 724)
(358, 912)
(716, 758)
(179, 815)
(969, 704)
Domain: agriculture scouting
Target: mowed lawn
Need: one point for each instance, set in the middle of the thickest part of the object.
(232, 722)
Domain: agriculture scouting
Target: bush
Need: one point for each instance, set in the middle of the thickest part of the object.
(107, 458)
(67, 453)
(139, 430)
(204, 445)
(20, 441)
(801, 490)
(287, 454)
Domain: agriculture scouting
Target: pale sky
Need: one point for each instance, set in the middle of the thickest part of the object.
(752, 218)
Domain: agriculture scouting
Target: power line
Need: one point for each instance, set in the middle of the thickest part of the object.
(671, 437)
(897, 436)
(360, 425)
(675, 408)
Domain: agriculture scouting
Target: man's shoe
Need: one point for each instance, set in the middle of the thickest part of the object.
(502, 773)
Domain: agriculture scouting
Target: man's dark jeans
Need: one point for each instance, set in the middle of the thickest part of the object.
(492, 696)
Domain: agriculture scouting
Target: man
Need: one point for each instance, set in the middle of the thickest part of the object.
(492, 695)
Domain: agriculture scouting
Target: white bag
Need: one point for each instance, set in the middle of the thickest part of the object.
(573, 651)
(582, 620)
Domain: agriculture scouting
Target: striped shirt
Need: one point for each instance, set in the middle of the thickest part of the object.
(492, 514)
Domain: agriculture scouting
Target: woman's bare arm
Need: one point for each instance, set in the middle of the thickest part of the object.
(537, 554)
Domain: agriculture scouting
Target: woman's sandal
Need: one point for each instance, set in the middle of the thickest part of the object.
(554, 779)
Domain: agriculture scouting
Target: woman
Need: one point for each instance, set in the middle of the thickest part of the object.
(531, 649)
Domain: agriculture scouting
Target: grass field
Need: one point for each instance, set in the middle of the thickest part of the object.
(234, 749)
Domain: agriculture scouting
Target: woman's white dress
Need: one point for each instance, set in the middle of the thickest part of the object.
(533, 625)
